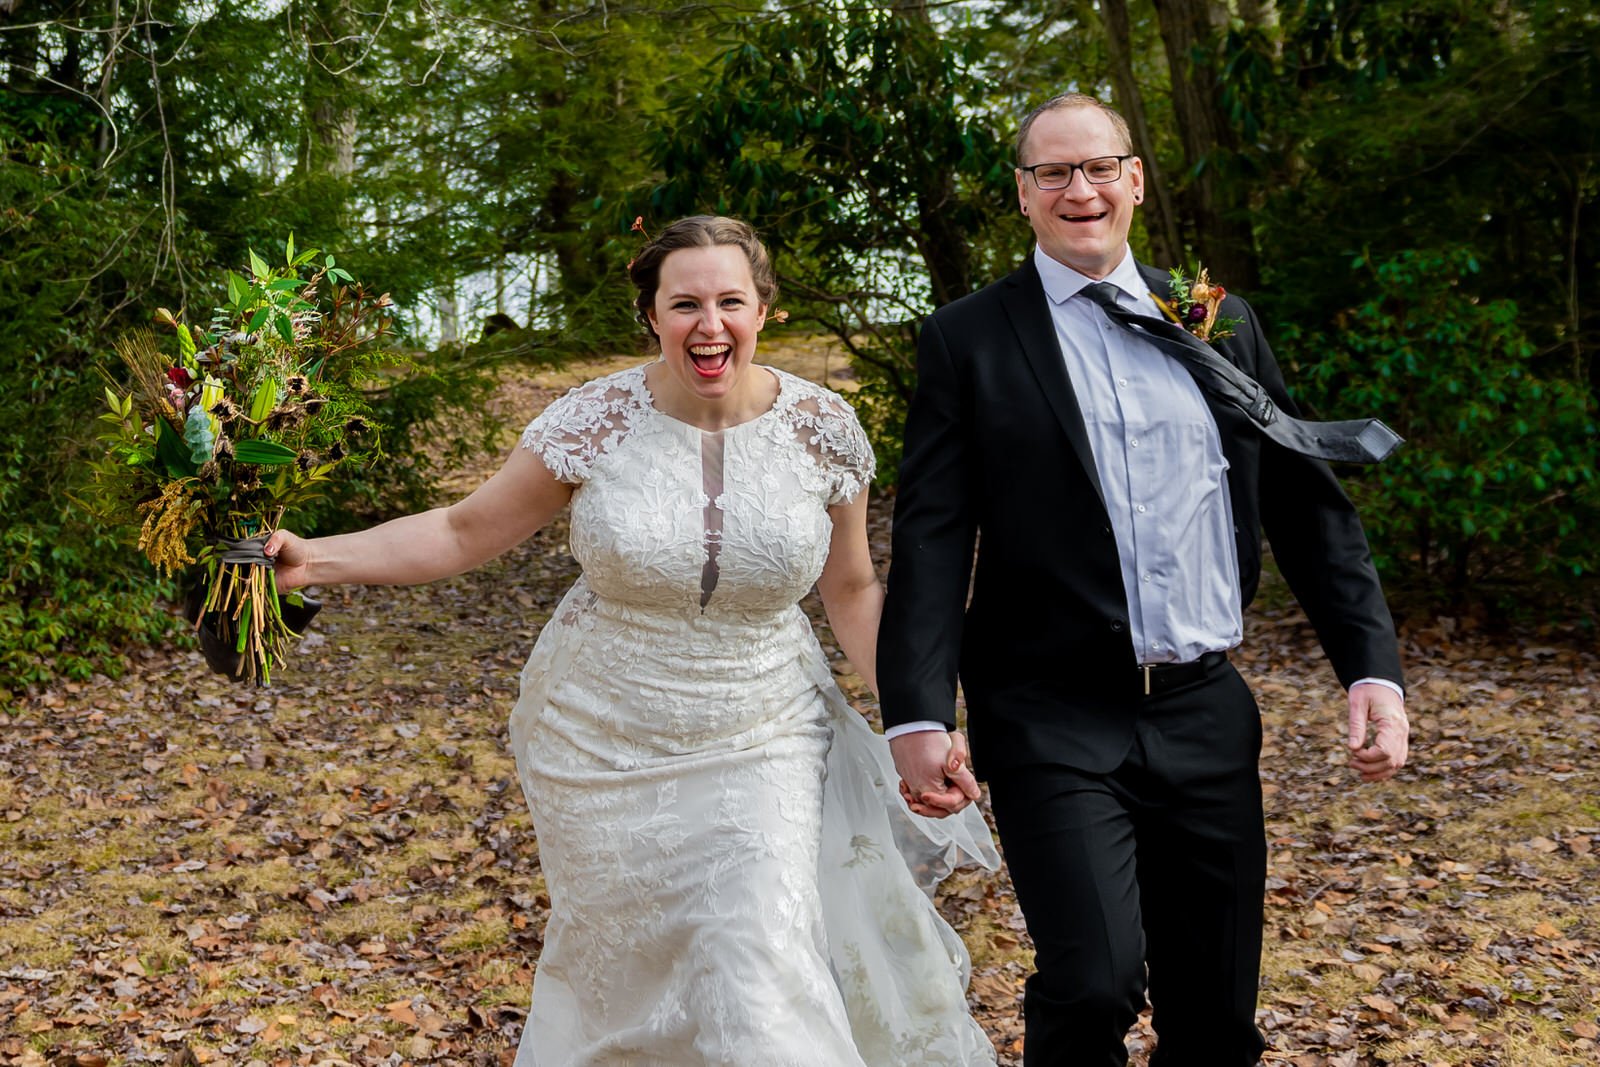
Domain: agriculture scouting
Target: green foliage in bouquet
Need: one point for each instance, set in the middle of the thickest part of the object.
(235, 423)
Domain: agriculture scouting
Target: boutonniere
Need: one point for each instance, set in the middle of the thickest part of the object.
(1193, 305)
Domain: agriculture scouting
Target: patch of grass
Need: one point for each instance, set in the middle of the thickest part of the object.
(143, 885)
(35, 943)
(367, 922)
(161, 953)
(478, 935)
(115, 852)
(276, 876)
(283, 926)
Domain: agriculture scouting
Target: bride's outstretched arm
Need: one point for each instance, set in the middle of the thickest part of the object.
(850, 590)
(520, 498)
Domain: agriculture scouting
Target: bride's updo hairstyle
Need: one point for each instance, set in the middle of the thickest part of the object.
(699, 231)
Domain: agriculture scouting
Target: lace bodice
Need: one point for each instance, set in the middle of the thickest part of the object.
(726, 523)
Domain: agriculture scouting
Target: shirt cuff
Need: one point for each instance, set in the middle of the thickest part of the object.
(922, 726)
(1383, 682)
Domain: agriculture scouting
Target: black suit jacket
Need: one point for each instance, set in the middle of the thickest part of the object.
(996, 454)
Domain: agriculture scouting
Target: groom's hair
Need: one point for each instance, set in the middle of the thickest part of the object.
(1055, 103)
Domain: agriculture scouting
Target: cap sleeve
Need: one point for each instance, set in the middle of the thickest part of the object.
(827, 425)
(578, 428)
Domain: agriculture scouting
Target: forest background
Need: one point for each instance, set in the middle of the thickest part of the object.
(1406, 191)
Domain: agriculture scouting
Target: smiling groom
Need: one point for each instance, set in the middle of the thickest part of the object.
(1120, 497)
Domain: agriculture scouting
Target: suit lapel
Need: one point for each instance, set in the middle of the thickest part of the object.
(1155, 278)
(1029, 309)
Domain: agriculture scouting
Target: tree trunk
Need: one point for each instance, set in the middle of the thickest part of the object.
(449, 312)
(1161, 220)
(943, 247)
(566, 236)
(108, 68)
(333, 40)
(1218, 209)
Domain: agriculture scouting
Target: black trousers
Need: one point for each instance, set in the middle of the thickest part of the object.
(1153, 874)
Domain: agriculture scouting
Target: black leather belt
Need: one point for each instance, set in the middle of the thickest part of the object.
(1158, 678)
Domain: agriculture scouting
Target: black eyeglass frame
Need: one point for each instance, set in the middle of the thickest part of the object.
(1074, 168)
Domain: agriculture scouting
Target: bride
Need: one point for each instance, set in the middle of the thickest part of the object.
(733, 878)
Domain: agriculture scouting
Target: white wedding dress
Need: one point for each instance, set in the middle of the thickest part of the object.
(729, 866)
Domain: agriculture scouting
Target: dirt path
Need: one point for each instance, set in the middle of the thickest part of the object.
(341, 869)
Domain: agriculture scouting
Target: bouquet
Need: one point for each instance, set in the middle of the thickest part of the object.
(226, 427)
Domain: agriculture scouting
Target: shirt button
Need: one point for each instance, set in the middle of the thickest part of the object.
(1117, 626)
(1139, 508)
(1147, 577)
(1122, 382)
(1134, 443)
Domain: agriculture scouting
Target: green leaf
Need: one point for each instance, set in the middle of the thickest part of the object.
(172, 451)
(257, 319)
(283, 285)
(264, 400)
(264, 453)
(328, 263)
(185, 343)
(236, 290)
(258, 266)
(288, 254)
(114, 402)
(285, 328)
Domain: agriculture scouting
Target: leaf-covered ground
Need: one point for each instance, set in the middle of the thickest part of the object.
(340, 869)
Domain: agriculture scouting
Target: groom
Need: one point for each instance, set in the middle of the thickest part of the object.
(1117, 509)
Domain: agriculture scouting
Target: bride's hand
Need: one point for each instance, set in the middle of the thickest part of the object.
(291, 558)
(936, 777)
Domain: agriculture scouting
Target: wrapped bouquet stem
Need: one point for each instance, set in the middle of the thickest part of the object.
(245, 626)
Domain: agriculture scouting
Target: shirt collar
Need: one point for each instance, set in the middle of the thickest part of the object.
(1062, 283)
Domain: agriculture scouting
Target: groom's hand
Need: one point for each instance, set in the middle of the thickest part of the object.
(936, 777)
(1382, 711)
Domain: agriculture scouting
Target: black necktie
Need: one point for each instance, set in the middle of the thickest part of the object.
(1354, 441)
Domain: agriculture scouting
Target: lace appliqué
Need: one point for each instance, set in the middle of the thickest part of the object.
(586, 423)
(827, 425)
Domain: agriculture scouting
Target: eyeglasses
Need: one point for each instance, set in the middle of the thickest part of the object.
(1101, 170)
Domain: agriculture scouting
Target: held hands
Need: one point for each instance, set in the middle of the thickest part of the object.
(291, 560)
(1383, 711)
(935, 772)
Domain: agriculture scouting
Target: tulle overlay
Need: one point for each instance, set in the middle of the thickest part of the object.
(733, 879)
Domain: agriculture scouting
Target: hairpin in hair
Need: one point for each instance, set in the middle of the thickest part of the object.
(638, 228)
